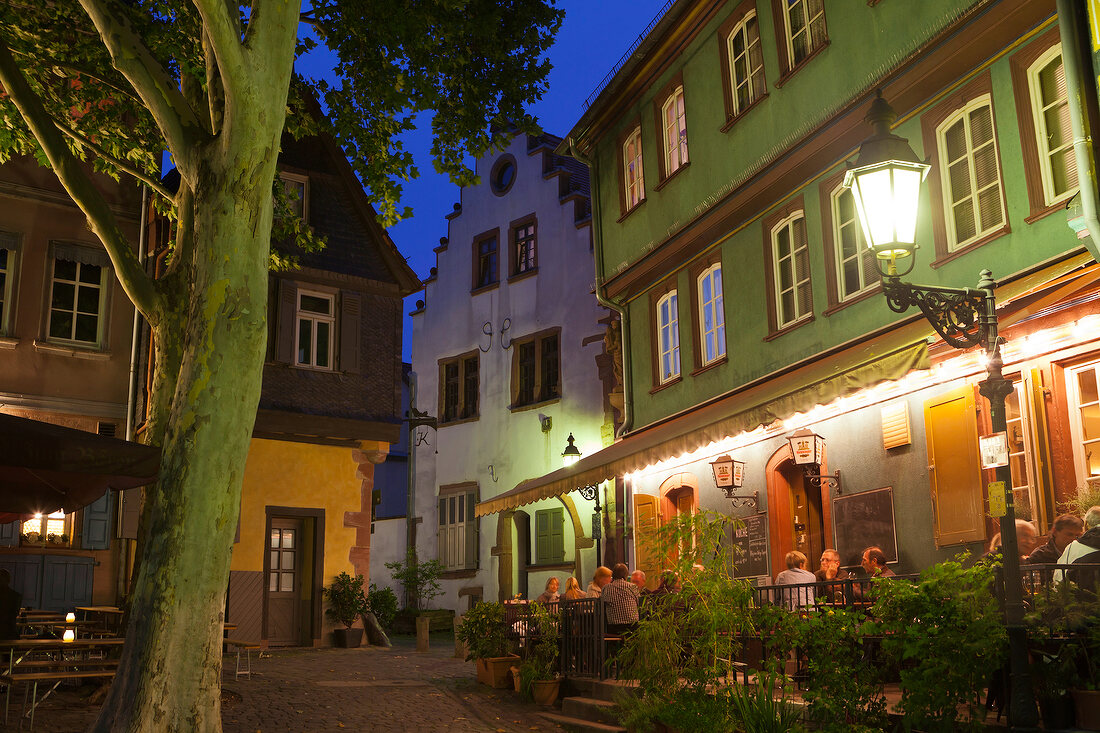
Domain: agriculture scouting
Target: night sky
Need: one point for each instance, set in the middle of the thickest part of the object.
(593, 37)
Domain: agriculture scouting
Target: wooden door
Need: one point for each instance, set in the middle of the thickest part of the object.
(645, 538)
(284, 581)
(796, 516)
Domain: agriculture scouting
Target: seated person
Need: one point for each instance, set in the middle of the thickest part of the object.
(795, 574)
(550, 594)
(1066, 529)
(620, 598)
(874, 563)
(599, 580)
(830, 570)
(573, 590)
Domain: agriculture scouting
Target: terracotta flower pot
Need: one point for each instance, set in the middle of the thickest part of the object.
(493, 671)
(545, 692)
(1087, 704)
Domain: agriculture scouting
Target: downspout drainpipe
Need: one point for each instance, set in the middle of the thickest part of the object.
(1081, 95)
(410, 481)
(624, 321)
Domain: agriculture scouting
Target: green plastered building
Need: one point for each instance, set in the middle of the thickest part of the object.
(751, 307)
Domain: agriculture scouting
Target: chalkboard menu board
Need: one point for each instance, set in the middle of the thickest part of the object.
(751, 547)
(862, 520)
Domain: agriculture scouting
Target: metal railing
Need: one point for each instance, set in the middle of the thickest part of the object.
(583, 635)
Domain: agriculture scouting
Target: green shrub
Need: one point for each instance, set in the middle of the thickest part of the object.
(419, 578)
(482, 631)
(346, 602)
(383, 604)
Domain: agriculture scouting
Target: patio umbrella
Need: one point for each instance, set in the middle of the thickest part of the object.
(46, 467)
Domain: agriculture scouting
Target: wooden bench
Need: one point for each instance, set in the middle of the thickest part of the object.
(247, 647)
(69, 670)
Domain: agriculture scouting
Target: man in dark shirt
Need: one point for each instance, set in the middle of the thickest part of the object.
(620, 597)
(11, 601)
(829, 572)
(1066, 529)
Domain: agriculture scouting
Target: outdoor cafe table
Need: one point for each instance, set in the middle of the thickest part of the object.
(109, 616)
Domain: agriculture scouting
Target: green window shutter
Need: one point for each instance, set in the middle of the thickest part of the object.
(557, 535)
(97, 524)
(543, 550)
(9, 534)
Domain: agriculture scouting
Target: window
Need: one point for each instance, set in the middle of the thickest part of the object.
(1084, 399)
(791, 270)
(1018, 426)
(712, 318)
(316, 318)
(856, 271)
(459, 388)
(633, 185)
(8, 253)
(47, 529)
(536, 369)
(1050, 106)
(674, 131)
(297, 190)
(77, 295)
(549, 536)
(802, 24)
(485, 260)
(970, 174)
(742, 61)
(524, 251)
(503, 175)
(668, 338)
(457, 536)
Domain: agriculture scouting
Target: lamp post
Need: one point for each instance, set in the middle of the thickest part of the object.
(885, 183)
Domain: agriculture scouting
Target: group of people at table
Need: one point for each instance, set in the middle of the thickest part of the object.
(620, 590)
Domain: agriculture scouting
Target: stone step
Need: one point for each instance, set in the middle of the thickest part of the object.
(579, 725)
(589, 708)
(613, 690)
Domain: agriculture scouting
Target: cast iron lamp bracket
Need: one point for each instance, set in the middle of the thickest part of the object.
(813, 474)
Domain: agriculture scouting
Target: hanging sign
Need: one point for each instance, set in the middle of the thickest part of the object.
(994, 450)
(998, 507)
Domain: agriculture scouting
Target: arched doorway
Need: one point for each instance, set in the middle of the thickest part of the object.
(799, 514)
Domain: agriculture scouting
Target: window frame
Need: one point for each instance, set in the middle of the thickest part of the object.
(81, 255)
(287, 176)
(538, 341)
(831, 189)
(315, 318)
(475, 285)
(1073, 409)
(12, 244)
(668, 95)
(531, 220)
(1036, 164)
(631, 132)
(658, 296)
(65, 536)
(783, 217)
(785, 43)
(738, 21)
(931, 123)
(467, 495)
(701, 269)
(462, 410)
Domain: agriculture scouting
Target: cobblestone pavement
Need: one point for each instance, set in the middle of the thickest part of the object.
(322, 690)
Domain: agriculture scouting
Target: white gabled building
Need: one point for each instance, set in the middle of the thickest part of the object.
(508, 353)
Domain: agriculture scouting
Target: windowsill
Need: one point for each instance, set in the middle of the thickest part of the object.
(533, 405)
(8, 343)
(711, 365)
(316, 369)
(76, 352)
(485, 288)
(459, 422)
(630, 211)
(665, 385)
(734, 119)
(790, 327)
(523, 275)
(1037, 214)
(544, 567)
(785, 77)
(670, 176)
(954, 255)
(458, 574)
(867, 294)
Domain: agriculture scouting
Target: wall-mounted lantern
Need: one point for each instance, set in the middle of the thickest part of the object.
(729, 475)
(808, 451)
(571, 454)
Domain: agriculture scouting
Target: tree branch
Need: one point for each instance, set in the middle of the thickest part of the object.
(222, 33)
(181, 126)
(81, 71)
(185, 233)
(149, 181)
(138, 285)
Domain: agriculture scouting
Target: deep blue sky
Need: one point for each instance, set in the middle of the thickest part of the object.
(593, 37)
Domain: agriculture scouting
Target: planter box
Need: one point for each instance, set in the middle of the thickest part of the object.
(348, 638)
(493, 671)
(1087, 704)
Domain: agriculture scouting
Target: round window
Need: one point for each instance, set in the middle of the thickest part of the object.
(503, 175)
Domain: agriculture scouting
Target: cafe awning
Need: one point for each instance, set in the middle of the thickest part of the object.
(817, 383)
(46, 467)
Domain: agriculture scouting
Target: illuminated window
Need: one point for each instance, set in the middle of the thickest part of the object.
(855, 261)
(970, 174)
(47, 528)
(746, 63)
(633, 183)
(804, 23)
(674, 131)
(791, 266)
(316, 320)
(712, 317)
(1050, 110)
(668, 338)
(1084, 398)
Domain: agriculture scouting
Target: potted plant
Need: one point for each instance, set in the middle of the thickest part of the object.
(346, 603)
(483, 632)
(538, 673)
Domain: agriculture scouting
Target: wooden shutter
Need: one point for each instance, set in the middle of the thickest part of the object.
(542, 536)
(9, 533)
(350, 307)
(96, 534)
(288, 307)
(1045, 511)
(646, 521)
(954, 472)
(472, 529)
(66, 582)
(129, 513)
(557, 535)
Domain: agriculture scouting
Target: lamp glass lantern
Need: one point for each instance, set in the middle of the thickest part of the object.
(885, 185)
(807, 447)
(571, 454)
(728, 473)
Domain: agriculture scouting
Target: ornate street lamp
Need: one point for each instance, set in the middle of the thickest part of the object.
(571, 454)
(729, 475)
(963, 317)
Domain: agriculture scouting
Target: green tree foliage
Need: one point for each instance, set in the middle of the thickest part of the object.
(419, 578)
(108, 85)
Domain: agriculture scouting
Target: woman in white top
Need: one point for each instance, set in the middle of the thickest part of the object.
(796, 574)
